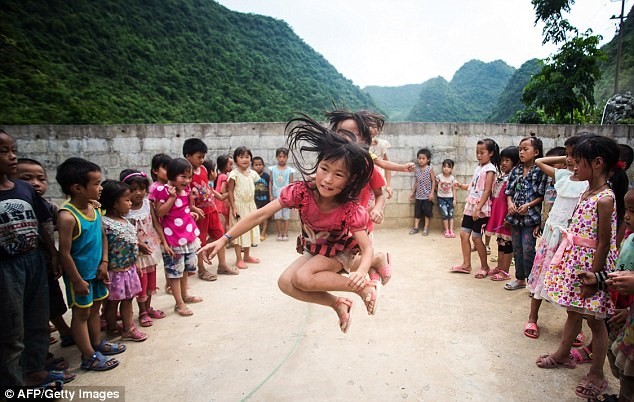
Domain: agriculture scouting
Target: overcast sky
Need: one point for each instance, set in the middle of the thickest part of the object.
(398, 42)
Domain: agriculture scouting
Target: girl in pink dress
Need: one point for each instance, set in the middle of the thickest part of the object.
(588, 245)
(225, 166)
(334, 225)
(509, 158)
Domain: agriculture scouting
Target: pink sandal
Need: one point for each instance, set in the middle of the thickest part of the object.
(134, 335)
(155, 314)
(385, 272)
(371, 300)
(345, 320)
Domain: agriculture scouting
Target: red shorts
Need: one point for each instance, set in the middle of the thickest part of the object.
(211, 225)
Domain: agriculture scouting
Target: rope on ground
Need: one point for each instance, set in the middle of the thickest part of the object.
(298, 337)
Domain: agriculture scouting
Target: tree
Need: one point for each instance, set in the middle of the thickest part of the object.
(566, 82)
(556, 28)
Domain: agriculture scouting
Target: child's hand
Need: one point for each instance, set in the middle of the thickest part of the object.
(411, 196)
(587, 278)
(431, 197)
(55, 267)
(145, 249)
(102, 273)
(621, 281)
(94, 203)
(389, 192)
(476, 213)
(454, 202)
(523, 210)
(537, 232)
(588, 290)
(168, 250)
(80, 288)
(194, 215)
(209, 251)
(409, 167)
(356, 281)
(171, 191)
(376, 216)
(198, 211)
(511, 207)
(619, 318)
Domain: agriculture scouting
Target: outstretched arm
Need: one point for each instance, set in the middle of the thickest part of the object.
(389, 165)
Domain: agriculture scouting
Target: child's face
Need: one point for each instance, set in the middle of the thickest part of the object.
(258, 166)
(446, 169)
(629, 210)
(182, 181)
(331, 177)
(422, 160)
(243, 161)
(528, 153)
(350, 125)
(229, 166)
(506, 164)
(123, 204)
(483, 155)
(281, 159)
(196, 159)
(582, 169)
(34, 174)
(161, 174)
(8, 155)
(212, 175)
(570, 160)
(92, 190)
(137, 194)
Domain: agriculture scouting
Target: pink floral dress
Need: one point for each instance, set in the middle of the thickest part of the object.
(562, 281)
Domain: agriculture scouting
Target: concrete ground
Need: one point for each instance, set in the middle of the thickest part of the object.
(436, 336)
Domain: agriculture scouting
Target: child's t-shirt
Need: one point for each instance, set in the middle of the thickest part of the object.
(524, 190)
(379, 147)
(21, 211)
(179, 226)
(445, 185)
(122, 244)
(262, 190)
(86, 249)
(204, 198)
(476, 191)
(280, 178)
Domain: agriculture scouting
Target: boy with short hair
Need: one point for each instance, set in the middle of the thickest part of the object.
(24, 310)
(423, 191)
(262, 191)
(195, 150)
(83, 249)
(281, 176)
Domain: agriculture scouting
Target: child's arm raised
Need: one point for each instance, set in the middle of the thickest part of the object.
(66, 226)
(242, 226)
(545, 164)
(164, 208)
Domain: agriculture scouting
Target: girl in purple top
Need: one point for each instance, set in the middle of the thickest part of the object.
(334, 226)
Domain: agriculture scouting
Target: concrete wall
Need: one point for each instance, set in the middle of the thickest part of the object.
(117, 147)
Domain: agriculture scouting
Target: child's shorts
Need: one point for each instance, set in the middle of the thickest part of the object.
(97, 291)
(345, 258)
(474, 227)
(55, 297)
(210, 225)
(177, 265)
(423, 208)
(445, 204)
(504, 246)
(283, 214)
(626, 382)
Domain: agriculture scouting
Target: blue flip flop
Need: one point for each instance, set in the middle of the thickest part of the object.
(110, 348)
(98, 362)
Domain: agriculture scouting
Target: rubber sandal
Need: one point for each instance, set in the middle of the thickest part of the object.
(500, 276)
(547, 362)
(134, 335)
(252, 260)
(346, 320)
(228, 270)
(241, 265)
(207, 276)
(55, 386)
(98, 362)
(579, 358)
(578, 342)
(460, 269)
(145, 320)
(514, 285)
(531, 326)
(109, 348)
(184, 312)
(192, 299)
(481, 274)
(588, 390)
(385, 272)
(155, 314)
(371, 300)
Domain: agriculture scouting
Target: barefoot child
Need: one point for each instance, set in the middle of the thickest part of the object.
(333, 224)
(83, 249)
(122, 254)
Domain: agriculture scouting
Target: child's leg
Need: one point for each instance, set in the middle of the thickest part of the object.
(445, 224)
(265, 226)
(533, 315)
(518, 254)
(111, 315)
(465, 246)
(571, 329)
(278, 224)
(599, 349)
(285, 234)
(189, 261)
(61, 325)
(451, 225)
(175, 285)
(79, 329)
(126, 315)
(426, 227)
(239, 263)
(528, 246)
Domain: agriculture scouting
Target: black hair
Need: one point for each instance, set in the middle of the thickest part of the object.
(308, 136)
(257, 158)
(112, 191)
(426, 152)
(492, 146)
(178, 166)
(209, 165)
(74, 171)
(29, 161)
(242, 151)
(512, 153)
(375, 120)
(159, 161)
(281, 151)
(626, 154)
(193, 145)
(132, 176)
(575, 139)
(222, 161)
(536, 143)
(598, 146)
(449, 163)
(338, 116)
(556, 151)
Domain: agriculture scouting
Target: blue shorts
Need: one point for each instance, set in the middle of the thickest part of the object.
(283, 214)
(97, 291)
(445, 204)
(177, 265)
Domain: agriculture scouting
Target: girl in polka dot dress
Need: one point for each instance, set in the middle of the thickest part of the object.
(588, 245)
(181, 232)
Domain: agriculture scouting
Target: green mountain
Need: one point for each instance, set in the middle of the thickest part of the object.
(509, 101)
(470, 96)
(604, 88)
(396, 102)
(135, 61)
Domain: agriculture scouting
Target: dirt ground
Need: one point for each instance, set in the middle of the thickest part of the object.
(436, 336)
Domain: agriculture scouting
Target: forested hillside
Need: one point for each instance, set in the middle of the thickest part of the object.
(135, 61)
(470, 96)
(396, 102)
(510, 100)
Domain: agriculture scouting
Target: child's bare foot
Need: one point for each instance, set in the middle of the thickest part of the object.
(343, 308)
